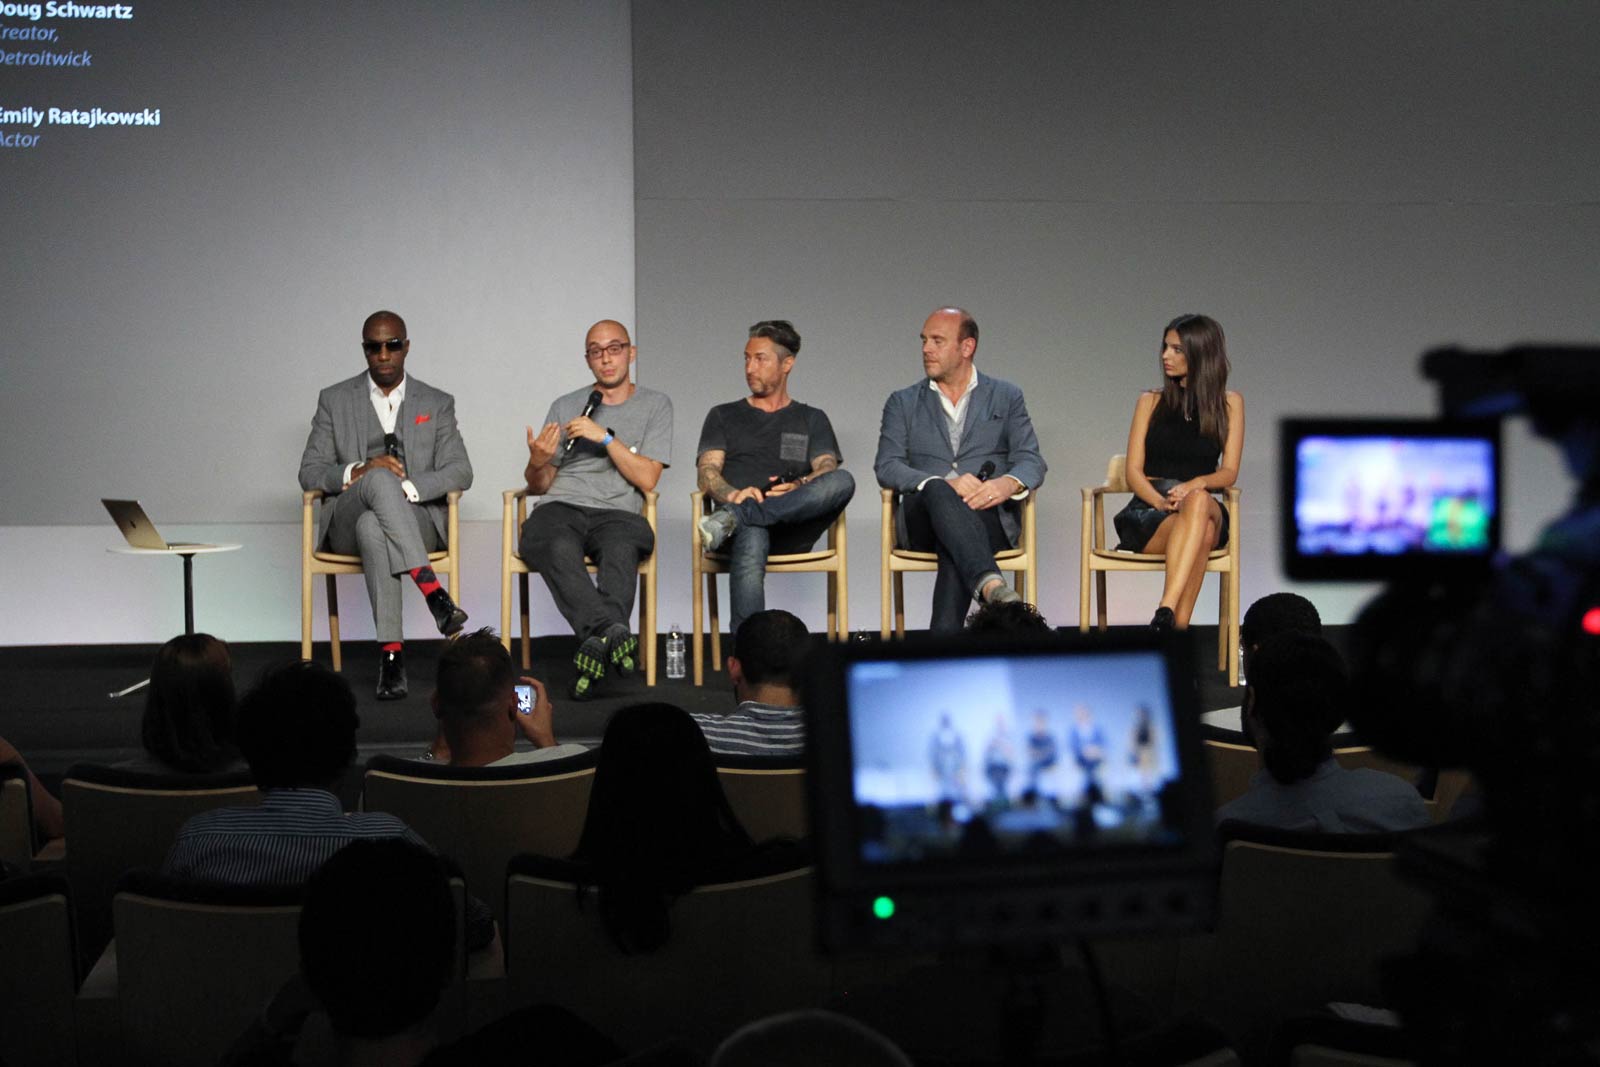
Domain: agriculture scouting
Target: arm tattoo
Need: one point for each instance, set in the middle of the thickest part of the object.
(714, 484)
(824, 463)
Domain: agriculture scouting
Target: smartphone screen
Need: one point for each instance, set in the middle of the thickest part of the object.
(525, 699)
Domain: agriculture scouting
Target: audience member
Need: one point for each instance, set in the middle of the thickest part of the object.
(480, 717)
(803, 1038)
(1274, 614)
(188, 725)
(658, 825)
(1002, 617)
(47, 821)
(764, 666)
(377, 948)
(1297, 696)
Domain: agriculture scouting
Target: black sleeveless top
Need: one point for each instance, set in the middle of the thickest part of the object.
(1174, 448)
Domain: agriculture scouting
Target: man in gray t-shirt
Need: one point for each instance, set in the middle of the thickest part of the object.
(591, 465)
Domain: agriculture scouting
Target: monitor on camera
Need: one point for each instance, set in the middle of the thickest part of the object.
(1392, 498)
(969, 792)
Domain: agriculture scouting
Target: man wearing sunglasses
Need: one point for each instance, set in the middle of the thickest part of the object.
(385, 449)
(601, 449)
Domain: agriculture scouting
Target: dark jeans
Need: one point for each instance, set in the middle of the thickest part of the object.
(554, 541)
(937, 520)
(791, 522)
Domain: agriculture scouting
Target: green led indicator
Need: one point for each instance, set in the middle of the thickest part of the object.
(883, 907)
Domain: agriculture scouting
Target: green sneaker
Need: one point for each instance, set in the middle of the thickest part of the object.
(622, 646)
(590, 662)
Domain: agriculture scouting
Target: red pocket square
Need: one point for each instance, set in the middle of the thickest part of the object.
(422, 419)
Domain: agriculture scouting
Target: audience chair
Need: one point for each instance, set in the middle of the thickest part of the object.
(1302, 919)
(767, 794)
(830, 561)
(1324, 1040)
(482, 816)
(17, 841)
(193, 964)
(1096, 558)
(1022, 561)
(446, 563)
(1231, 765)
(118, 820)
(513, 513)
(38, 978)
(739, 950)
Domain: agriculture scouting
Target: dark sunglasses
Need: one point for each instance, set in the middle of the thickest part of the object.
(393, 344)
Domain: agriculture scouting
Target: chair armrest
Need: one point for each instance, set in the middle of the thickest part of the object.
(310, 495)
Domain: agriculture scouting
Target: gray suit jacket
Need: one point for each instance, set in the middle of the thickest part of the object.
(914, 442)
(435, 456)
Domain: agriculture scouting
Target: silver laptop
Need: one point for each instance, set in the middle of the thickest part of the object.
(137, 528)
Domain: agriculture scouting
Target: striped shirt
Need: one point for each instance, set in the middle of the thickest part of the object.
(756, 729)
(280, 841)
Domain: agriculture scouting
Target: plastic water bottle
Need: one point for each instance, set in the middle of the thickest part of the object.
(675, 657)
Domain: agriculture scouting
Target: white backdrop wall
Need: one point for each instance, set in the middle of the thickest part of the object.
(1342, 186)
(174, 297)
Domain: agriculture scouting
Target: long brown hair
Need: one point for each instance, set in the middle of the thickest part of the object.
(1206, 397)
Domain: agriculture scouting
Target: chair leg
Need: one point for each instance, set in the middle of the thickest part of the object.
(305, 612)
(833, 606)
(899, 603)
(1233, 626)
(1222, 622)
(697, 596)
(716, 621)
(647, 618)
(505, 604)
(885, 584)
(333, 621)
(1100, 600)
(527, 629)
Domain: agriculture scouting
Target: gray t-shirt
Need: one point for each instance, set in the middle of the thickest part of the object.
(587, 478)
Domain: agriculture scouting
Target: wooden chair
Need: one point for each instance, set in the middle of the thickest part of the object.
(1302, 919)
(38, 975)
(739, 950)
(446, 563)
(482, 816)
(514, 512)
(118, 820)
(830, 561)
(1096, 559)
(767, 794)
(193, 964)
(1023, 561)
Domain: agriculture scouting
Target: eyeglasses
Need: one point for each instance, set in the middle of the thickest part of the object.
(614, 349)
(393, 344)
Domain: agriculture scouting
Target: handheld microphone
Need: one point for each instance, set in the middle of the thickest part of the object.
(588, 409)
(985, 470)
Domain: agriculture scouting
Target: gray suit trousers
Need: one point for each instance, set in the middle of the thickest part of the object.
(374, 520)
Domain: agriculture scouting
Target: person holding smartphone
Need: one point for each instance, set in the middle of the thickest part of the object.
(483, 708)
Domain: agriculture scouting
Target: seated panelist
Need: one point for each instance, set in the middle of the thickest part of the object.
(1183, 446)
(385, 449)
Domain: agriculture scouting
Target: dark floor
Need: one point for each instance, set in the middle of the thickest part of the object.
(56, 709)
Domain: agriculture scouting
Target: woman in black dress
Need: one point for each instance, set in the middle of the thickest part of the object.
(1183, 446)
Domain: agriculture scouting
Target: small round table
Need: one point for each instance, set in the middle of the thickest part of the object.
(188, 552)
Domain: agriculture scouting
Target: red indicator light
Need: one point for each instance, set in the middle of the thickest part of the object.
(1591, 621)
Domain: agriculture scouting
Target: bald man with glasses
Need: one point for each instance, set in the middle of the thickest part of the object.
(385, 449)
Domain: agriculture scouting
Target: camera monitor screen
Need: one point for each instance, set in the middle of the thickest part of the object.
(1370, 499)
(1033, 779)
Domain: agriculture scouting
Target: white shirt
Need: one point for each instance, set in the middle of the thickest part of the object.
(388, 409)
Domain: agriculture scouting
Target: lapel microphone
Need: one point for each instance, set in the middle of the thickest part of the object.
(588, 409)
(391, 445)
(985, 470)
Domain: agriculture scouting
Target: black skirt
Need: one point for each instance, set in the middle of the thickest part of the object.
(1136, 523)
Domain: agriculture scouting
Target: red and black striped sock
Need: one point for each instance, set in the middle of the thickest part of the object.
(426, 580)
(392, 646)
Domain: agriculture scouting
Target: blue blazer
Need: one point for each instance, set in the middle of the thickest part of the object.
(914, 441)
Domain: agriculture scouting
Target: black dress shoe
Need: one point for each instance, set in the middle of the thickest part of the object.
(391, 675)
(449, 617)
(1163, 619)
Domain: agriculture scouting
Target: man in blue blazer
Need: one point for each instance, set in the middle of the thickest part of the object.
(960, 450)
(385, 449)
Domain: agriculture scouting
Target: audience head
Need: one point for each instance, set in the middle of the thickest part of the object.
(1007, 617)
(1203, 392)
(377, 937)
(1298, 695)
(189, 707)
(769, 651)
(1274, 614)
(803, 1038)
(297, 727)
(473, 687)
(657, 820)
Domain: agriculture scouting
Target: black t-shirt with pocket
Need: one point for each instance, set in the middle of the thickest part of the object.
(760, 446)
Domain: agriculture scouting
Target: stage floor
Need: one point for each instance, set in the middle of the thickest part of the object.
(55, 707)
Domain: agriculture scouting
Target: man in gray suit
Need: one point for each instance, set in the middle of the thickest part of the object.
(960, 450)
(385, 448)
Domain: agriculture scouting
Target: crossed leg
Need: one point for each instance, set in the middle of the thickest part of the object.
(1187, 537)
